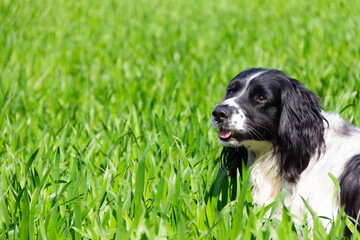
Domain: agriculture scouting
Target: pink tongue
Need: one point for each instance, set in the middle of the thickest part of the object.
(224, 133)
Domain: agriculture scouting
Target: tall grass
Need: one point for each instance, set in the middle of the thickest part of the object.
(105, 128)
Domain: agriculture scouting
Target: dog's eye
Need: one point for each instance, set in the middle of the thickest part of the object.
(261, 99)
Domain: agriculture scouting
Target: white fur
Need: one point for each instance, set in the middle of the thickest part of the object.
(237, 120)
(231, 102)
(265, 173)
(256, 75)
(314, 185)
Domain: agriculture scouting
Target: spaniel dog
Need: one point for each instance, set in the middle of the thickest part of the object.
(271, 119)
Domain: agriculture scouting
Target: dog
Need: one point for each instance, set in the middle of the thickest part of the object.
(271, 119)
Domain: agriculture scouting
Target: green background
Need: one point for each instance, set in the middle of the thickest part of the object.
(105, 129)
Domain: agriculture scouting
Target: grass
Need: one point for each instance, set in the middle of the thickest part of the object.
(105, 128)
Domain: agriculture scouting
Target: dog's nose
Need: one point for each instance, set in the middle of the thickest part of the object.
(221, 112)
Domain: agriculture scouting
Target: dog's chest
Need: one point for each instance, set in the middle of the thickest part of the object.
(265, 180)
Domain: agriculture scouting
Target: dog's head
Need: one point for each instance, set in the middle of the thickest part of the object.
(266, 105)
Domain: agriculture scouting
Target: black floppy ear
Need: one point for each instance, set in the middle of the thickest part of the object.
(232, 158)
(301, 129)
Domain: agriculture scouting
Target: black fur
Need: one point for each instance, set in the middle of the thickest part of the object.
(350, 189)
(232, 159)
(301, 129)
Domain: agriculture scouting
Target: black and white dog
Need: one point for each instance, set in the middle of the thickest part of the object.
(265, 111)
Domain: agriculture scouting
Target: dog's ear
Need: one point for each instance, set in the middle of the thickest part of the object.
(300, 131)
(232, 158)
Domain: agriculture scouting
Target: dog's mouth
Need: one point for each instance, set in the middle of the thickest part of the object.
(224, 134)
(228, 135)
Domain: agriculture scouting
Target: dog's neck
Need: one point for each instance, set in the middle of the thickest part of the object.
(257, 150)
(264, 177)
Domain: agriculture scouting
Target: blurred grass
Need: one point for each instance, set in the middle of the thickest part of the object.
(116, 96)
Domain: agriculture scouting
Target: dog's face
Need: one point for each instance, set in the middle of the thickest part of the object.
(266, 105)
(250, 109)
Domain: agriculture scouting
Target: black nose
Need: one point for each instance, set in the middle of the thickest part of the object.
(221, 113)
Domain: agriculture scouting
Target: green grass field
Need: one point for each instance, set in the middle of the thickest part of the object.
(105, 128)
